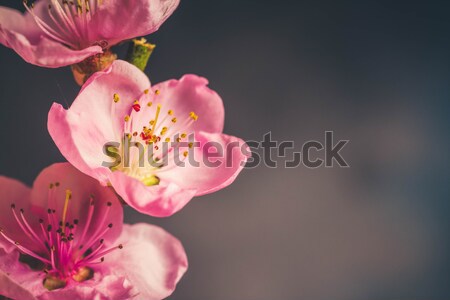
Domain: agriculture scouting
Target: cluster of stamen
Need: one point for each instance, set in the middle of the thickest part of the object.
(60, 247)
(68, 21)
(163, 126)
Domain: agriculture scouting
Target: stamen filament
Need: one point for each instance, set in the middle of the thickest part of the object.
(66, 206)
(104, 253)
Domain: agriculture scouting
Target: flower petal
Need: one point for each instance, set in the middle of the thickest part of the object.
(13, 192)
(159, 200)
(191, 94)
(83, 150)
(94, 119)
(83, 189)
(214, 171)
(152, 260)
(20, 32)
(13, 20)
(115, 21)
(13, 275)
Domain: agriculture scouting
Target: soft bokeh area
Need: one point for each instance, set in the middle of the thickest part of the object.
(374, 72)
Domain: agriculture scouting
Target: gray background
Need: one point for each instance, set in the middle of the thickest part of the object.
(374, 72)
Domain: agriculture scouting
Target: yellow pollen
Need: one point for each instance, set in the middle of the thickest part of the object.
(174, 120)
(185, 153)
(170, 112)
(193, 116)
(157, 92)
(167, 140)
(127, 118)
(152, 122)
(183, 135)
(116, 98)
(191, 145)
(128, 136)
(146, 91)
(149, 104)
(136, 102)
(164, 130)
(178, 140)
(66, 206)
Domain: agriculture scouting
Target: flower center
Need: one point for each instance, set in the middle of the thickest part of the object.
(160, 139)
(61, 247)
(67, 21)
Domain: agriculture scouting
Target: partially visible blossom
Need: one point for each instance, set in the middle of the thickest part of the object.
(178, 123)
(56, 33)
(64, 239)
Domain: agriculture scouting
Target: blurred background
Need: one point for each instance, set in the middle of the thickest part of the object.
(374, 72)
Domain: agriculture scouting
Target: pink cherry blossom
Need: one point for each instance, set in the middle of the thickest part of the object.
(55, 33)
(119, 105)
(64, 239)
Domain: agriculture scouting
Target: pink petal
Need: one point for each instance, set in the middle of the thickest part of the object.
(12, 289)
(160, 200)
(15, 192)
(82, 187)
(21, 33)
(94, 119)
(207, 178)
(122, 20)
(13, 20)
(67, 131)
(191, 94)
(16, 278)
(152, 260)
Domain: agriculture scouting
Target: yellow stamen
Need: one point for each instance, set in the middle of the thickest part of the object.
(193, 116)
(116, 98)
(151, 180)
(79, 7)
(170, 112)
(174, 120)
(163, 130)
(66, 206)
(146, 91)
(149, 104)
(127, 118)
(157, 92)
(158, 109)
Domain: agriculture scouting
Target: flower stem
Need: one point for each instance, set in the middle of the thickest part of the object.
(139, 52)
